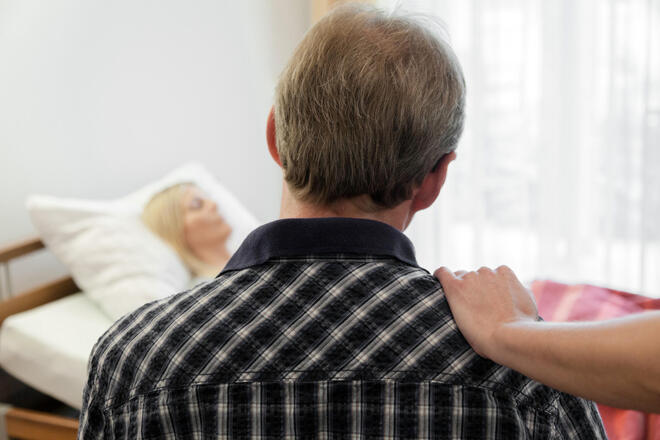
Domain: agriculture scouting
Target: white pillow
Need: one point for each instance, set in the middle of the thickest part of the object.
(112, 256)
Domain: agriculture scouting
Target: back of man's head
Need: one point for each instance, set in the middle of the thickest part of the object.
(368, 104)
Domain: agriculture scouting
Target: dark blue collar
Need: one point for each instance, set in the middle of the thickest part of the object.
(318, 236)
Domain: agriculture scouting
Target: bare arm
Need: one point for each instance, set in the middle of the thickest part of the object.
(615, 362)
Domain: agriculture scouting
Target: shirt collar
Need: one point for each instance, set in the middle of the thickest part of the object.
(318, 236)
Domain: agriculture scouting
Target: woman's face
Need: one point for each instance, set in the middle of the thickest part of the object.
(205, 230)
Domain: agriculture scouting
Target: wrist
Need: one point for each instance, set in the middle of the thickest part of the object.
(507, 339)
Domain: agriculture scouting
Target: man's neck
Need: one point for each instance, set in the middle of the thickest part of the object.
(398, 217)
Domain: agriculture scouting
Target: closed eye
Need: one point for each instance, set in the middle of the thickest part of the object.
(196, 203)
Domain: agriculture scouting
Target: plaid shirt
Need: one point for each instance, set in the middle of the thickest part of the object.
(317, 328)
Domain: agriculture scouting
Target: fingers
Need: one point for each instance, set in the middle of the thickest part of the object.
(444, 275)
(506, 273)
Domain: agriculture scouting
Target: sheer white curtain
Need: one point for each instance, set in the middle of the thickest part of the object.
(558, 171)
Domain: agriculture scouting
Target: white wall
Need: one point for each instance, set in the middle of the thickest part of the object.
(99, 97)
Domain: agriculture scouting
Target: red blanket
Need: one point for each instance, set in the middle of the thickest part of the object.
(562, 302)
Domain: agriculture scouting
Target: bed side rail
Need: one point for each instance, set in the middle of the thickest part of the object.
(20, 248)
(23, 423)
(11, 252)
(37, 296)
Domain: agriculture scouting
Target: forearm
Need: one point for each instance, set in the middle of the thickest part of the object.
(615, 362)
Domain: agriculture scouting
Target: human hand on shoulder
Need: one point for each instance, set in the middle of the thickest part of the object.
(486, 302)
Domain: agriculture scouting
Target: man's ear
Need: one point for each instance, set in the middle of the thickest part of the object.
(428, 191)
(270, 137)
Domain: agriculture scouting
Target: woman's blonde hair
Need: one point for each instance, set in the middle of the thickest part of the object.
(164, 215)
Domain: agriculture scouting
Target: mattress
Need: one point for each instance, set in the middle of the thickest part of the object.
(48, 347)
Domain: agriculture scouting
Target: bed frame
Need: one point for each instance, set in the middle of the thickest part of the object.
(18, 422)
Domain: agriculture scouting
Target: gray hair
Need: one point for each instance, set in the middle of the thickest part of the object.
(368, 104)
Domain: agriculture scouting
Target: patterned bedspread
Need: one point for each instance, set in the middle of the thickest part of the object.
(563, 302)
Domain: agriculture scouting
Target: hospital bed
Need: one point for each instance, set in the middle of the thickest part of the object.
(46, 335)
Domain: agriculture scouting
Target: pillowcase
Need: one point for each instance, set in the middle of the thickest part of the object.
(114, 258)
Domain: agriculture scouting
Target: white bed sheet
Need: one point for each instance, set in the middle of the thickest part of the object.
(48, 347)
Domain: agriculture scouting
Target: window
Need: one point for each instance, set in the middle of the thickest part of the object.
(558, 171)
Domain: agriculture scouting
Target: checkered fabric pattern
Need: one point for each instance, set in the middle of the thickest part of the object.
(321, 346)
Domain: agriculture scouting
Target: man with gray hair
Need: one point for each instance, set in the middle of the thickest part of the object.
(322, 325)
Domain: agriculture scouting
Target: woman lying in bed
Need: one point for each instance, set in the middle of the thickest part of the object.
(189, 221)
